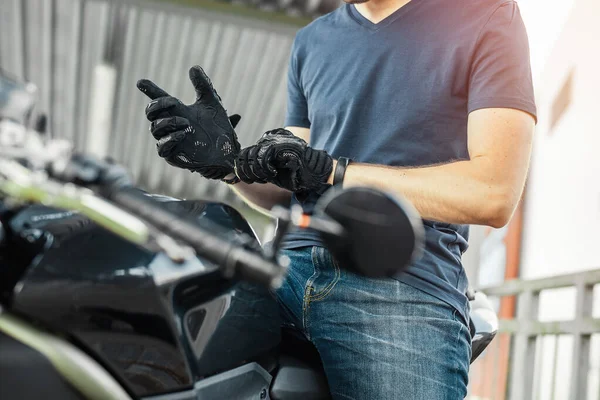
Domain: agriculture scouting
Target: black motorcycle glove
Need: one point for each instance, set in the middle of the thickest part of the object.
(286, 160)
(253, 167)
(198, 137)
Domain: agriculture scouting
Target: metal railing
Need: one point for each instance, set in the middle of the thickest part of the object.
(527, 329)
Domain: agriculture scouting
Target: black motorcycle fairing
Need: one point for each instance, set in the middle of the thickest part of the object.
(97, 288)
(158, 326)
(20, 244)
(25, 373)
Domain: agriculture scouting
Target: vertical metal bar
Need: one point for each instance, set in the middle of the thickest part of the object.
(580, 364)
(62, 38)
(136, 125)
(48, 57)
(554, 368)
(76, 65)
(524, 351)
(95, 39)
(274, 116)
(24, 41)
(15, 41)
(143, 146)
(537, 367)
(276, 60)
(125, 125)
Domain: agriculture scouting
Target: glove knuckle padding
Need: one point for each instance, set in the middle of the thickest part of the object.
(162, 108)
(164, 126)
(168, 144)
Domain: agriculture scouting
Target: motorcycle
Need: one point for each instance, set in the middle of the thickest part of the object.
(108, 292)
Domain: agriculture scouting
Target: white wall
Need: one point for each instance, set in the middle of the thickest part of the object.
(562, 209)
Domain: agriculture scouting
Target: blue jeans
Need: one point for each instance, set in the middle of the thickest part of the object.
(378, 338)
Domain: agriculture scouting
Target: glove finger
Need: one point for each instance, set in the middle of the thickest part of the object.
(150, 89)
(262, 155)
(168, 143)
(261, 169)
(243, 167)
(163, 126)
(234, 120)
(250, 168)
(159, 108)
(312, 159)
(247, 168)
(202, 83)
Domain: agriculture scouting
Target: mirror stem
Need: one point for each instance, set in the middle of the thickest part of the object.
(283, 222)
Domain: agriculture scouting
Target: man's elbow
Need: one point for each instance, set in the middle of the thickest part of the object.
(500, 208)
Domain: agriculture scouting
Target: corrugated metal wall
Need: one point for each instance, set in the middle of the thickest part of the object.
(58, 43)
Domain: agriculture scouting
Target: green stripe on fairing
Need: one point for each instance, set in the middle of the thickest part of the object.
(29, 193)
(80, 378)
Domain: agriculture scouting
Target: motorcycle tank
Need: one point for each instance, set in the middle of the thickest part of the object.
(158, 326)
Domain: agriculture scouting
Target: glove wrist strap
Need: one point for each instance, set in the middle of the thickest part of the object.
(340, 170)
(232, 178)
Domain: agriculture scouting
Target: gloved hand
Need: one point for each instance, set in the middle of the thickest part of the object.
(198, 137)
(286, 160)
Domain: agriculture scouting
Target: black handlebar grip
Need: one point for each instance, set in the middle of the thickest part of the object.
(232, 259)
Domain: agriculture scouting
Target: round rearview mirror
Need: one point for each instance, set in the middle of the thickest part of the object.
(382, 234)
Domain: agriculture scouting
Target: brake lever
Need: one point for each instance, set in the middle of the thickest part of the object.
(282, 216)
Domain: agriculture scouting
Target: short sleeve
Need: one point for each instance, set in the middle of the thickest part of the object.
(297, 107)
(501, 67)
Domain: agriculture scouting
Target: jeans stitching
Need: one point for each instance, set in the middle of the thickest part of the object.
(325, 292)
(307, 290)
(318, 260)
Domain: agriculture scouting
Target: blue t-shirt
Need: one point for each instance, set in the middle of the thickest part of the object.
(399, 93)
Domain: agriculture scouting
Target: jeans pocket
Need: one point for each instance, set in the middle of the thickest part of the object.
(327, 274)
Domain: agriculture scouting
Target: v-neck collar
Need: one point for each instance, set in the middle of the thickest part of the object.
(360, 19)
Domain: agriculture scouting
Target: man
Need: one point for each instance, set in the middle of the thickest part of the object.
(429, 99)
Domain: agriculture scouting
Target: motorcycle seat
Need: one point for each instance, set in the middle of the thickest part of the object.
(300, 375)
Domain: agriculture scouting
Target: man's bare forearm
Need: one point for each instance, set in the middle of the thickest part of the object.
(484, 190)
(460, 192)
(263, 196)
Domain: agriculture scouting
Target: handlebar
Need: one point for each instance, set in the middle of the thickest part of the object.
(233, 260)
(20, 184)
(135, 216)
